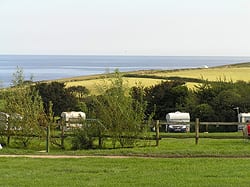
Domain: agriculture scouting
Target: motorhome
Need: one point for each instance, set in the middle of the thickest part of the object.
(178, 122)
(73, 119)
(243, 118)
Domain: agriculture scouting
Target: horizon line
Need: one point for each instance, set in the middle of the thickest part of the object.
(124, 55)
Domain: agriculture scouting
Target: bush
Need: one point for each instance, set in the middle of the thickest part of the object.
(85, 135)
(82, 140)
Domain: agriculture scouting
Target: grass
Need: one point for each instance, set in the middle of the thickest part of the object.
(124, 172)
(169, 147)
(175, 162)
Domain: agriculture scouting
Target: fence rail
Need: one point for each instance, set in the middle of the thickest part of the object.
(156, 124)
(197, 125)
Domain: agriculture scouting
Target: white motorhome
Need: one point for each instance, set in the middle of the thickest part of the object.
(178, 122)
(73, 118)
(243, 118)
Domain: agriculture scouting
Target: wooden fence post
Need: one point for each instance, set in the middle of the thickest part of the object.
(63, 124)
(197, 124)
(157, 130)
(48, 138)
(8, 135)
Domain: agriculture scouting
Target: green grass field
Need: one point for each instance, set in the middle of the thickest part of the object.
(168, 147)
(175, 162)
(124, 172)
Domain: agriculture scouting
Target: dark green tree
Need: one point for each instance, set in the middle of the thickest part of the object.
(204, 112)
(223, 97)
(168, 96)
(60, 97)
(79, 91)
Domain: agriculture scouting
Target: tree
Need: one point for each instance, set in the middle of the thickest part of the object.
(18, 77)
(121, 115)
(61, 98)
(25, 107)
(79, 91)
(204, 112)
(224, 104)
(168, 96)
(222, 97)
(243, 88)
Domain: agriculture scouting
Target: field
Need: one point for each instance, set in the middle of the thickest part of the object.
(228, 73)
(233, 145)
(212, 74)
(124, 172)
(93, 84)
(176, 162)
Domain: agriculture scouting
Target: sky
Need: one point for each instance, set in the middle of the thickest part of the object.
(125, 27)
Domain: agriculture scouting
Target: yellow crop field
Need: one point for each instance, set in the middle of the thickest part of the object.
(93, 85)
(227, 73)
(211, 74)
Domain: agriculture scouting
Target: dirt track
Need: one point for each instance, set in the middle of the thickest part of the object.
(61, 156)
(120, 156)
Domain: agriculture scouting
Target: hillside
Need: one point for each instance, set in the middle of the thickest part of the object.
(232, 72)
(245, 64)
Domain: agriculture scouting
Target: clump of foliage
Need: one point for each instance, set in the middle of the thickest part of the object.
(25, 108)
(82, 139)
(121, 115)
(85, 135)
(61, 98)
(80, 93)
(168, 96)
(217, 101)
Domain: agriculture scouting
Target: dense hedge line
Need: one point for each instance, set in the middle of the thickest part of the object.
(174, 78)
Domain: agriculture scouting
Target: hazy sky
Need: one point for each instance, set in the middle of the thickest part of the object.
(125, 27)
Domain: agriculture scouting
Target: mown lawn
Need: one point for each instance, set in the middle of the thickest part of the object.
(124, 172)
(175, 162)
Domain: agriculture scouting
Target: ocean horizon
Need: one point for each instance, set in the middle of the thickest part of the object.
(51, 67)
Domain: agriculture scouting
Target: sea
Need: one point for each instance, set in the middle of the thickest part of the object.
(51, 67)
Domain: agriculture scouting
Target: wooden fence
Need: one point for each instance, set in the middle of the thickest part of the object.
(156, 124)
(197, 126)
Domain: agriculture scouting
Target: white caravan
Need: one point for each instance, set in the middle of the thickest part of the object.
(178, 122)
(73, 118)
